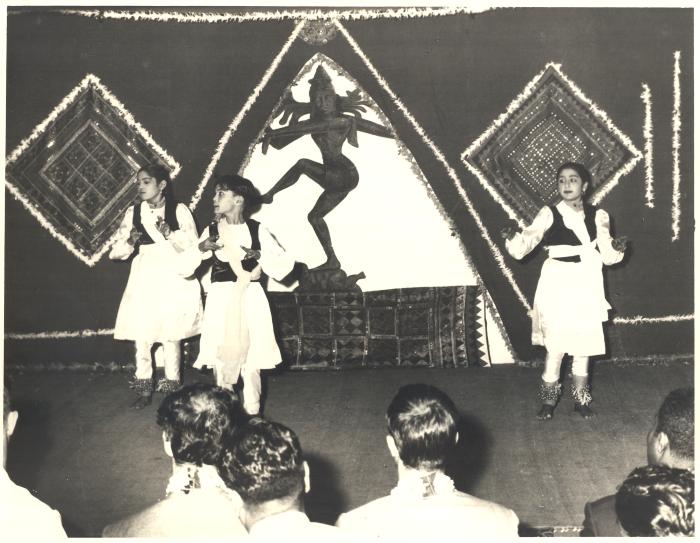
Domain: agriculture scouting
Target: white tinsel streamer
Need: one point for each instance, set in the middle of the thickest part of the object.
(242, 113)
(496, 253)
(648, 146)
(601, 191)
(89, 79)
(276, 15)
(676, 146)
(62, 334)
(653, 320)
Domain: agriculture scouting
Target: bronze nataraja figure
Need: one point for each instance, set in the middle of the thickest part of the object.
(329, 127)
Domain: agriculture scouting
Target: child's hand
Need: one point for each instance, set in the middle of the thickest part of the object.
(210, 244)
(134, 236)
(508, 232)
(256, 273)
(163, 227)
(619, 244)
(250, 253)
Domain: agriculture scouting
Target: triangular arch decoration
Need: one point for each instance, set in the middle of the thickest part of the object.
(296, 52)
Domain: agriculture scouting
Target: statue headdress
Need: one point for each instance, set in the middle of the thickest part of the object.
(320, 81)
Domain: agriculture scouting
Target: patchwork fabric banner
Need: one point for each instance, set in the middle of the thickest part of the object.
(75, 172)
(431, 327)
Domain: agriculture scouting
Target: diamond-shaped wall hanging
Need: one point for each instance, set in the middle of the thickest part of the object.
(549, 123)
(74, 172)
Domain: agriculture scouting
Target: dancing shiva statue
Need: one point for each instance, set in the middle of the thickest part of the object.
(332, 120)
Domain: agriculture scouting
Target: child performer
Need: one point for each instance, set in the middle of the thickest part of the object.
(162, 301)
(570, 304)
(238, 338)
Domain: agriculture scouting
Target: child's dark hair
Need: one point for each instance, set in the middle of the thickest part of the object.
(252, 199)
(197, 419)
(161, 173)
(582, 172)
(423, 422)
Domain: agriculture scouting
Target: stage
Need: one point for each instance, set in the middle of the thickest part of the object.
(81, 450)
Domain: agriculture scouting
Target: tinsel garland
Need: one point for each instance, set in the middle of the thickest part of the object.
(496, 253)
(648, 146)
(653, 320)
(515, 105)
(676, 146)
(94, 81)
(242, 113)
(276, 15)
(62, 334)
(487, 298)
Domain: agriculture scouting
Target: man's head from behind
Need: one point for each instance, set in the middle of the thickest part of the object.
(422, 424)
(263, 462)
(671, 441)
(657, 501)
(196, 420)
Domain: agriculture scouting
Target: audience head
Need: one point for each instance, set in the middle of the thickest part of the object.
(9, 418)
(196, 421)
(657, 501)
(263, 463)
(671, 441)
(252, 199)
(422, 423)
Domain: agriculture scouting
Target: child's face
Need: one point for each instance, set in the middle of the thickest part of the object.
(148, 187)
(570, 185)
(225, 200)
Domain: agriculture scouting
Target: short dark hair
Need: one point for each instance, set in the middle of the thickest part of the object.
(657, 500)
(580, 169)
(252, 199)
(423, 422)
(262, 462)
(197, 419)
(676, 420)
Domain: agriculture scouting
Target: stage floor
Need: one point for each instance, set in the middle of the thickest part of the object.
(81, 450)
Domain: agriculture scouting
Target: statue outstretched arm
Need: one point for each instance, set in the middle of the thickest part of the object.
(283, 136)
(373, 128)
(290, 110)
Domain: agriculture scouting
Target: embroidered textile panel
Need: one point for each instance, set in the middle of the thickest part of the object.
(552, 126)
(78, 173)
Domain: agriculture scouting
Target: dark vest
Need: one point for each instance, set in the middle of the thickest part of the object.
(220, 270)
(559, 234)
(145, 239)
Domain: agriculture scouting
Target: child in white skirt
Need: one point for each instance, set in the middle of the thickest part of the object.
(570, 305)
(238, 338)
(162, 301)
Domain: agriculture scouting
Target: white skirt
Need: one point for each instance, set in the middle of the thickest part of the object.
(263, 352)
(570, 307)
(158, 304)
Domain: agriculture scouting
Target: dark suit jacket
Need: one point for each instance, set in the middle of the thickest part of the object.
(601, 519)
